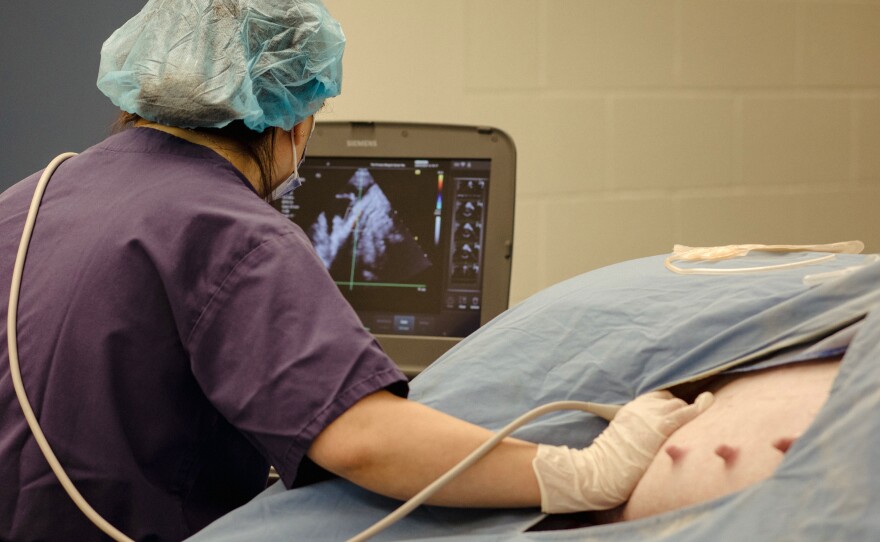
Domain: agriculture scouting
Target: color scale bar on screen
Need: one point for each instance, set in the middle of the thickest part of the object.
(439, 208)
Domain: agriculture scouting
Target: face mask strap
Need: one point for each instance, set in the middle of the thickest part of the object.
(294, 181)
(295, 161)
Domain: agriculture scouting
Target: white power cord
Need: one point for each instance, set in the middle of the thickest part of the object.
(15, 370)
(602, 410)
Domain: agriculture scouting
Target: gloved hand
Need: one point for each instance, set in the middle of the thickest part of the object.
(604, 474)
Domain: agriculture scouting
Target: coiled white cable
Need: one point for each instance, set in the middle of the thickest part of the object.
(727, 252)
(15, 370)
(605, 411)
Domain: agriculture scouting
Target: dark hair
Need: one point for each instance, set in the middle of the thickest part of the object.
(257, 145)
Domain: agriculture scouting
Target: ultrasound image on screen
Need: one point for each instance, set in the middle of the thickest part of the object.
(361, 239)
(389, 232)
(373, 224)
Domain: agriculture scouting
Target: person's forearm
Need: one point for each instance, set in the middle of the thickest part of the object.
(397, 447)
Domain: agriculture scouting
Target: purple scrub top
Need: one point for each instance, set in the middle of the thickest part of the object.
(177, 335)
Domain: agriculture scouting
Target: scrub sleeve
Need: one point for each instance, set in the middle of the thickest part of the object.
(280, 353)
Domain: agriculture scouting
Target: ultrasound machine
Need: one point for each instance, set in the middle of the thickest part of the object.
(415, 224)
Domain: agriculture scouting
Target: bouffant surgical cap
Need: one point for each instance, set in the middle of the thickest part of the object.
(206, 63)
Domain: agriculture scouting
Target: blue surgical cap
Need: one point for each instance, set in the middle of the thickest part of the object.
(206, 63)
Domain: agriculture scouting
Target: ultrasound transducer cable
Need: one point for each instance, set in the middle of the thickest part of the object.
(605, 411)
(15, 370)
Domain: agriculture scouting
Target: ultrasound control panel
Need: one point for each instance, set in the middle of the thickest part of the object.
(465, 262)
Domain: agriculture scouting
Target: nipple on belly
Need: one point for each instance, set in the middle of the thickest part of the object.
(728, 453)
(784, 443)
(676, 453)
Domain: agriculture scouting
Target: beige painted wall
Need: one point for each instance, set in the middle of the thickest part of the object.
(642, 123)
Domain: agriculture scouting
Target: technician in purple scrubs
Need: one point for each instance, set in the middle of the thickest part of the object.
(177, 335)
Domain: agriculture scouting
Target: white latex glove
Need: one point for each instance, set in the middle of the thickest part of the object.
(604, 475)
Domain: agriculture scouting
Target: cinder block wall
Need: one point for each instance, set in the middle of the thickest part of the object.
(642, 123)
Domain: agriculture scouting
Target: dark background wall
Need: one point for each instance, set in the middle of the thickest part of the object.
(49, 56)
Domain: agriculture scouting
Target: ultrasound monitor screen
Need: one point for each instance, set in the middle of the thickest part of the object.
(402, 238)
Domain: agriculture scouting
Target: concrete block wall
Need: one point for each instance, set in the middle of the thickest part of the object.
(642, 123)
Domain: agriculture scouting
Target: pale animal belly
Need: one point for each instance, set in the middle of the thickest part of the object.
(740, 440)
